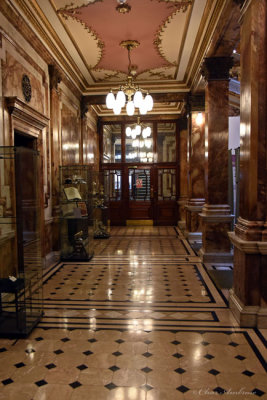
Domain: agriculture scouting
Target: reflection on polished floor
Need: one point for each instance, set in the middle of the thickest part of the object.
(141, 321)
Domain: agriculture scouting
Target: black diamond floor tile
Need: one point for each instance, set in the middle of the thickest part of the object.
(119, 341)
(87, 353)
(209, 356)
(59, 351)
(175, 342)
(258, 392)
(82, 367)
(234, 344)
(38, 339)
(93, 340)
(111, 386)
(75, 384)
(146, 387)
(241, 358)
(182, 389)
(147, 354)
(50, 366)
(20, 365)
(177, 355)
(213, 372)
(248, 373)
(146, 370)
(180, 370)
(114, 368)
(65, 339)
(219, 390)
(7, 381)
(148, 341)
(117, 353)
(42, 382)
(3, 349)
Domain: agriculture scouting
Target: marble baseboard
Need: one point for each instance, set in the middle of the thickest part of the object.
(215, 257)
(247, 316)
(51, 258)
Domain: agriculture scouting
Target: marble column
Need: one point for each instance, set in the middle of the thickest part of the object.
(216, 218)
(183, 173)
(248, 298)
(196, 155)
(55, 127)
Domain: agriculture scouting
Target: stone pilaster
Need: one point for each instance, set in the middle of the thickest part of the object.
(248, 298)
(196, 154)
(215, 216)
(54, 80)
(183, 173)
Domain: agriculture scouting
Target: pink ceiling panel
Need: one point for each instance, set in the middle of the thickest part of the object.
(141, 23)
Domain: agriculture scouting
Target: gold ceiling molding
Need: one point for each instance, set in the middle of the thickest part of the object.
(50, 52)
(198, 54)
(182, 4)
(157, 41)
(71, 6)
(89, 29)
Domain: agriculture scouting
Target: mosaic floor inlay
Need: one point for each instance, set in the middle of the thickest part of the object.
(141, 321)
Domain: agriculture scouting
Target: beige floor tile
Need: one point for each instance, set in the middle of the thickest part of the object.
(127, 393)
(129, 377)
(164, 394)
(53, 391)
(17, 391)
(90, 392)
(95, 376)
(164, 379)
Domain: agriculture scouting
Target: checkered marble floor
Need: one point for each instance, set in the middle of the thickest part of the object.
(139, 321)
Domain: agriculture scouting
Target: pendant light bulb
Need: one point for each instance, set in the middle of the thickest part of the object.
(110, 100)
(130, 108)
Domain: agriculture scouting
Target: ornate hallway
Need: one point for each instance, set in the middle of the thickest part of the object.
(141, 320)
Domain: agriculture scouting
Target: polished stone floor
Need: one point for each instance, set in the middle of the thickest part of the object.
(141, 321)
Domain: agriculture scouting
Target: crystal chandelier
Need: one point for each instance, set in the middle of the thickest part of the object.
(130, 94)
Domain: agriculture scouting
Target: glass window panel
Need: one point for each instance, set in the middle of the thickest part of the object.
(166, 142)
(139, 146)
(166, 184)
(113, 184)
(139, 184)
(111, 143)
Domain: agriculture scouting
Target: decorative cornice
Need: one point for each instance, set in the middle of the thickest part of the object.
(217, 68)
(26, 113)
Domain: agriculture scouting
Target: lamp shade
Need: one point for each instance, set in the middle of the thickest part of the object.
(138, 97)
(120, 98)
(130, 108)
(116, 108)
(149, 102)
(110, 100)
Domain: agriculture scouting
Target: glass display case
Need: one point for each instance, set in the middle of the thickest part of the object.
(21, 293)
(76, 213)
(100, 205)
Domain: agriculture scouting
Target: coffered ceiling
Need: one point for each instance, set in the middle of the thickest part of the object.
(173, 38)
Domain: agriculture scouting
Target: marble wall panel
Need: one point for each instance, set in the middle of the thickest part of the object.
(70, 136)
(197, 148)
(90, 139)
(216, 142)
(12, 73)
(183, 173)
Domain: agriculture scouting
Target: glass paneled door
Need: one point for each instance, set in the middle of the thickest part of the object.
(140, 193)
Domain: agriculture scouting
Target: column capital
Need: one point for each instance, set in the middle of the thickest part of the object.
(217, 68)
(55, 76)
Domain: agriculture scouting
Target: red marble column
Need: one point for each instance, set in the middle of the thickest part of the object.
(215, 217)
(248, 298)
(55, 79)
(196, 181)
(183, 173)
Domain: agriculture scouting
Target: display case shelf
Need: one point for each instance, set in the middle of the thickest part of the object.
(21, 288)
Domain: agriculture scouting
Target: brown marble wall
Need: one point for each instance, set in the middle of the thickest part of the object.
(197, 148)
(70, 136)
(12, 74)
(183, 170)
(90, 139)
(250, 236)
(216, 150)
